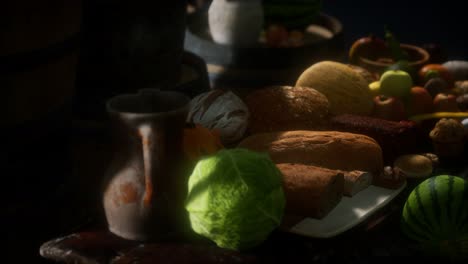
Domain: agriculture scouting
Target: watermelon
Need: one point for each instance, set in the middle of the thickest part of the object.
(436, 215)
(293, 14)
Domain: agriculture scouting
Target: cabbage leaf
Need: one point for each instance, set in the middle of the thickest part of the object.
(235, 198)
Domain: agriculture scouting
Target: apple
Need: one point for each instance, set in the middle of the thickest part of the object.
(395, 83)
(462, 101)
(435, 86)
(404, 65)
(430, 71)
(389, 108)
(276, 35)
(444, 102)
(419, 101)
(461, 87)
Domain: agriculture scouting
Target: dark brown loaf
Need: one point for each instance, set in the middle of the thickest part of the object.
(354, 181)
(282, 108)
(329, 149)
(310, 191)
(395, 138)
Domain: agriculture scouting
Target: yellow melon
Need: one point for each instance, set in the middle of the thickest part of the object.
(346, 90)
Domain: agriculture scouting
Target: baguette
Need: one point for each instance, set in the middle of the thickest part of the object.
(329, 149)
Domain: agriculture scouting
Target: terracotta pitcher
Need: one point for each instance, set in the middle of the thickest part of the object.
(145, 186)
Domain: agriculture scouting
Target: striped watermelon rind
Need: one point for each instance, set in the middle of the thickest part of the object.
(291, 15)
(436, 215)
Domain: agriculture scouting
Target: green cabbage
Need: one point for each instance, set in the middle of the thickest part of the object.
(235, 198)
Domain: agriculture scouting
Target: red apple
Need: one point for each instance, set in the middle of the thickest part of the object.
(419, 101)
(444, 102)
(436, 85)
(276, 35)
(430, 71)
(389, 108)
(462, 101)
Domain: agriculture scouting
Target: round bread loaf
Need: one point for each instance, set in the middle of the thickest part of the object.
(282, 108)
(346, 90)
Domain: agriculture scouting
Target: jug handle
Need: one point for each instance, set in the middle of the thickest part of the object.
(146, 132)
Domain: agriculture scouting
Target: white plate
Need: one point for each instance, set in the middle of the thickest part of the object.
(349, 212)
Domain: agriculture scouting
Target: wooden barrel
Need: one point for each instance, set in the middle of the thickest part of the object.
(38, 56)
(127, 46)
(251, 67)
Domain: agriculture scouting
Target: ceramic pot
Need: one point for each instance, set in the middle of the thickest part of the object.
(145, 186)
(235, 22)
(418, 57)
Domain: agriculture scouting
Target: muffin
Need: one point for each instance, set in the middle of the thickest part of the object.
(448, 138)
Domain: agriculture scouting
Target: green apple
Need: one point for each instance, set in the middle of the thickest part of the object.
(396, 83)
(403, 65)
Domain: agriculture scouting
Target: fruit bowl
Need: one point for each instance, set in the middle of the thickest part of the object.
(260, 65)
(418, 57)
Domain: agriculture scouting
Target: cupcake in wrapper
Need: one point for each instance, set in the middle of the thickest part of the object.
(448, 138)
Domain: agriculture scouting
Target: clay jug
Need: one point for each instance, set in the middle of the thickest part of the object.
(145, 186)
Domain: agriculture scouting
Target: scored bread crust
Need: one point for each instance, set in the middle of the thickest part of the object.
(329, 149)
(282, 108)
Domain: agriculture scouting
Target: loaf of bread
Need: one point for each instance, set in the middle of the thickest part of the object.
(395, 138)
(281, 108)
(329, 149)
(310, 191)
(355, 181)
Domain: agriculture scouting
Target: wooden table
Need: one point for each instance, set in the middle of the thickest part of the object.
(88, 241)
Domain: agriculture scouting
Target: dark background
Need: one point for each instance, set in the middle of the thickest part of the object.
(412, 21)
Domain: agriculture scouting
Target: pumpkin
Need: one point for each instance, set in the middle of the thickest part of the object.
(200, 141)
